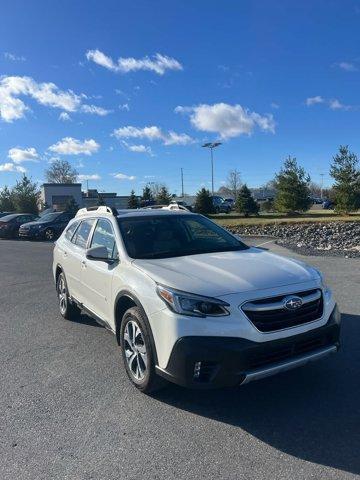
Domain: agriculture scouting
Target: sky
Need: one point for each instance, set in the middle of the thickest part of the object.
(129, 91)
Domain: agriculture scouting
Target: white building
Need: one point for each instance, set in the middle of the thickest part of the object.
(56, 195)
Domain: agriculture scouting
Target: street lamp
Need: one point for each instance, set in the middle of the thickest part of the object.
(212, 145)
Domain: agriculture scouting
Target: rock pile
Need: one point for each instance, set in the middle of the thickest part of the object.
(335, 238)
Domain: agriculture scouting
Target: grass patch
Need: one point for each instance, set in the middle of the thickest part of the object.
(234, 219)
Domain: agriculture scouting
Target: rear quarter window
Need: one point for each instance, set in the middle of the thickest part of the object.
(71, 230)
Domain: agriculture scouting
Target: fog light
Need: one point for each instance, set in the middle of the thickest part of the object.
(197, 369)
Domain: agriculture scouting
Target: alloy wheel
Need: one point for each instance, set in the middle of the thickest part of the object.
(62, 294)
(49, 234)
(135, 350)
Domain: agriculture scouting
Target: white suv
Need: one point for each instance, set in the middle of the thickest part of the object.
(188, 301)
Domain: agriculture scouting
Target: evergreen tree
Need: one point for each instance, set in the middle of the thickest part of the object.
(133, 201)
(147, 195)
(163, 197)
(6, 200)
(203, 202)
(345, 171)
(245, 203)
(71, 206)
(25, 196)
(100, 201)
(292, 188)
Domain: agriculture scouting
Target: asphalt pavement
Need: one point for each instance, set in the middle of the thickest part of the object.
(68, 411)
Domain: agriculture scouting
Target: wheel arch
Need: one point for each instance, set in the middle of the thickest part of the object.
(125, 300)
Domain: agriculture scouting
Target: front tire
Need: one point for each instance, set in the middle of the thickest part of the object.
(67, 309)
(137, 351)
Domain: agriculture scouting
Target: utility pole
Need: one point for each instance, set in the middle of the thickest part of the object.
(322, 185)
(182, 182)
(212, 146)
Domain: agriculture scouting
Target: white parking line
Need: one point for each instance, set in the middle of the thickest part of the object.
(264, 243)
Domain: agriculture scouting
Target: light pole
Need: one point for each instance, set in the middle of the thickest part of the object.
(212, 145)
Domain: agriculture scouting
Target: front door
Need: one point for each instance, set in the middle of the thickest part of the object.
(96, 279)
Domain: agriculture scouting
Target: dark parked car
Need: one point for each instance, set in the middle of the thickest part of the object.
(10, 224)
(328, 205)
(3, 214)
(48, 227)
(220, 206)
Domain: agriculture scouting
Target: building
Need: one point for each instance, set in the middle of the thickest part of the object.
(56, 195)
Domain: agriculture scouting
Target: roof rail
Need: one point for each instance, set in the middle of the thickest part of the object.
(100, 209)
(166, 207)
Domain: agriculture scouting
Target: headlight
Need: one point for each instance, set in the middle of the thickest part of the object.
(191, 304)
(327, 289)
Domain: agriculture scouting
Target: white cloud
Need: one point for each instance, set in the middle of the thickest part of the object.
(14, 58)
(93, 109)
(124, 106)
(85, 177)
(138, 148)
(347, 66)
(274, 105)
(19, 155)
(227, 120)
(47, 94)
(72, 146)
(64, 117)
(11, 167)
(332, 103)
(158, 63)
(335, 104)
(314, 100)
(153, 133)
(122, 176)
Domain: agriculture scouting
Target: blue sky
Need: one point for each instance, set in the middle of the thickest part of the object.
(128, 91)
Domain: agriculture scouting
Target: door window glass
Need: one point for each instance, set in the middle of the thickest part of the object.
(104, 237)
(82, 233)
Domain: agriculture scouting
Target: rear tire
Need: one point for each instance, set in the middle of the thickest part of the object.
(68, 310)
(137, 351)
(49, 234)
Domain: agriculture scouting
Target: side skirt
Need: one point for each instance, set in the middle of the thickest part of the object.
(93, 315)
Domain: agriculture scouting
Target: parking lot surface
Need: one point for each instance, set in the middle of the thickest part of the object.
(69, 412)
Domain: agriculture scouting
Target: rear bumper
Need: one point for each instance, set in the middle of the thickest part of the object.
(227, 361)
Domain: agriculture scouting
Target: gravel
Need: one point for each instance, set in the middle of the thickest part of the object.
(330, 238)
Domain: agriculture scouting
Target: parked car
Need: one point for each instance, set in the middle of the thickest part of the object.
(219, 204)
(328, 205)
(189, 302)
(231, 202)
(48, 227)
(10, 224)
(3, 214)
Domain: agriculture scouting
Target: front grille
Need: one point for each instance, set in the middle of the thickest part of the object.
(299, 347)
(270, 314)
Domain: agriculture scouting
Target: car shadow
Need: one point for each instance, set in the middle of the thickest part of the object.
(84, 319)
(312, 413)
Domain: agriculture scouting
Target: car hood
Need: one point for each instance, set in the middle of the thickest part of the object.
(31, 224)
(217, 274)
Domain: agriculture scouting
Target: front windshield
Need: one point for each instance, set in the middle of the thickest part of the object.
(49, 217)
(175, 236)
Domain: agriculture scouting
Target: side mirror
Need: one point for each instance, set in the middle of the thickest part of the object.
(97, 253)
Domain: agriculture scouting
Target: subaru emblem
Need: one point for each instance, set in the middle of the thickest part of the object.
(292, 302)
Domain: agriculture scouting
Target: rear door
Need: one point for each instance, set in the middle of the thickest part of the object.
(74, 257)
(96, 276)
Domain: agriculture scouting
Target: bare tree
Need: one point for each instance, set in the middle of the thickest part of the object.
(61, 171)
(234, 182)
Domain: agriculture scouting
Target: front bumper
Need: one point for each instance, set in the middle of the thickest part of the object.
(30, 233)
(228, 361)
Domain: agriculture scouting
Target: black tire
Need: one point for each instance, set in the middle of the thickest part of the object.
(68, 310)
(137, 351)
(49, 234)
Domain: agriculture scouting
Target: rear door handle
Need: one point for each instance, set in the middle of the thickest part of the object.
(64, 254)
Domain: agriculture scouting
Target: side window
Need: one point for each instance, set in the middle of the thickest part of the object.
(70, 230)
(82, 233)
(104, 237)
